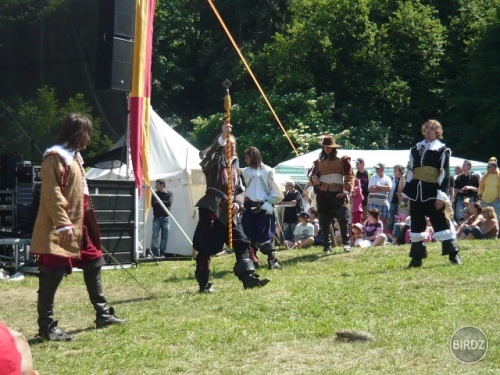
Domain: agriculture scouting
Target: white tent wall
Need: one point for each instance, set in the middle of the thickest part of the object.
(175, 160)
(297, 167)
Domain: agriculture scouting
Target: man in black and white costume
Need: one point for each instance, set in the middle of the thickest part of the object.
(427, 187)
(261, 194)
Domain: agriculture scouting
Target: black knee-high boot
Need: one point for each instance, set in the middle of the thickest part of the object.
(244, 269)
(105, 315)
(202, 273)
(269, 250)
(450, 248)
(49, 281)
(418, 251)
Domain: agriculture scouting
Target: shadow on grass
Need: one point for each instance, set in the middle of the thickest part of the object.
(385, 269)
(302, 258)
(139, 299)
(214, 274)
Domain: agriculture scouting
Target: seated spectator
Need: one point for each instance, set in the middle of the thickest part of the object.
(466, 212)
(303, 233)
(357, 233)
(474, 219)
(373, 229)
(15, 354)
(401, 227)
(313, 219)
(487, 228)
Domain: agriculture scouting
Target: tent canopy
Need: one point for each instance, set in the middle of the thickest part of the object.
(175, 160)
(297, 167)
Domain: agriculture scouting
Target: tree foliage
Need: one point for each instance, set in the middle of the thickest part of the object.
(368, 71)
(37, 121)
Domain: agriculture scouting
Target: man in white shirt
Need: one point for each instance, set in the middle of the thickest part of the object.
(261, 194)
(379, 186)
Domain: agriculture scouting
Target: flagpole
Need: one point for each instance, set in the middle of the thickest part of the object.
(229, 156)
(127, 139)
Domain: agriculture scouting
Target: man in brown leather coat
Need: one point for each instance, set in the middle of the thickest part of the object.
(66, 233)
(333, 181)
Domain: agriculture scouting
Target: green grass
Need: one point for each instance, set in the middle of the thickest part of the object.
(287, 327)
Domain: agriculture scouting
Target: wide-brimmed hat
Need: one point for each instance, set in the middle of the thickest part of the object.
(359, 226)
(329, 141)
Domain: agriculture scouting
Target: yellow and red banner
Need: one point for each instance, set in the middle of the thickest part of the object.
(140, 100)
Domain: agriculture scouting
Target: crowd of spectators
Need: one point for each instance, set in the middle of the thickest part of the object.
(376, 200)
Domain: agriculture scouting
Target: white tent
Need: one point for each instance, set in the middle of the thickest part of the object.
(297, 168)
(175, 160)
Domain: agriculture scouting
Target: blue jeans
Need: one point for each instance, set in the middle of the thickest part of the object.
(288, 229)
(160, 224)
(393, 211)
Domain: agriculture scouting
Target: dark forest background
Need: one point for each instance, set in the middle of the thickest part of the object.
(369, 71)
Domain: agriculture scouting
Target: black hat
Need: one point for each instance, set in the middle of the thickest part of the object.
(303, 214)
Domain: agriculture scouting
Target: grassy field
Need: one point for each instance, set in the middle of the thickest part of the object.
(287, 327)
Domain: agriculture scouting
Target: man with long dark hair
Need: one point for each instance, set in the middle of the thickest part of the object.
(333, 181)
(261, 194)
(212, 230)
(66, 233)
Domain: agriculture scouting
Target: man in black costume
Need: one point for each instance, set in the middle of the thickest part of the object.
(427, 187)
(212, 230)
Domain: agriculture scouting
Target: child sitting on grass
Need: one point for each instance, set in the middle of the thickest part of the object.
(303, 233)
(357, 234)
(374, 230)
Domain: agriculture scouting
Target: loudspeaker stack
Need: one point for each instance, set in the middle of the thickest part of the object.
(114, 204)
(116, 45)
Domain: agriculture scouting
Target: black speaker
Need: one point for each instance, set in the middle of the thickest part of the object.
(115, 64)
(117, 18)
(8, 163)
(114, 206)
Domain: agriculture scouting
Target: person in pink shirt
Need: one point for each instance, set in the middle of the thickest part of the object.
(357, 202)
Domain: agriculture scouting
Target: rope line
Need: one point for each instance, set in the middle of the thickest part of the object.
(252, 75)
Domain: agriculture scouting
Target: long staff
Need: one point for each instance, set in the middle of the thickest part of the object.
(229, 156)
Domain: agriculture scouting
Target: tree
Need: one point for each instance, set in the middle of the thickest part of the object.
(474, 111)
(193, 55)
(37, 122)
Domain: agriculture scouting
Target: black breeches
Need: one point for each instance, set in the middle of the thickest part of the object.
(418, 212)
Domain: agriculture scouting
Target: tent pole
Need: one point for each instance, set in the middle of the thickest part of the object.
(170, 215)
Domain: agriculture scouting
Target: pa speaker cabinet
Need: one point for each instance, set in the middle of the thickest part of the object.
(114, 205)
(6, 197)
(117, 18)
(118, 240)
(115, 64)
(8, 163)
(7, 217)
